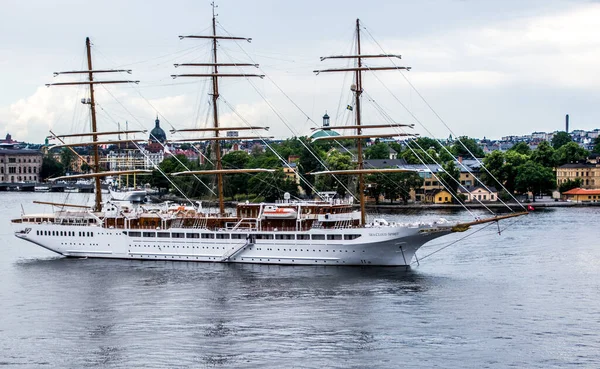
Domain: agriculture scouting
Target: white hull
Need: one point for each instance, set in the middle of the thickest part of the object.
(385, 246)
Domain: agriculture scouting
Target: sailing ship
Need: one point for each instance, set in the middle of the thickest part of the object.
(292, 232)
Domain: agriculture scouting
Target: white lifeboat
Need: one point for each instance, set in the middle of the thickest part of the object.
(274, 212)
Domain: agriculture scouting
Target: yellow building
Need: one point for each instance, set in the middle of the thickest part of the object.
(442, 197)
(582, 195)
(589, 173)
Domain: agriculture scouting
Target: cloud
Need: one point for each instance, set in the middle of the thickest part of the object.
(558, 50)
(509, 65)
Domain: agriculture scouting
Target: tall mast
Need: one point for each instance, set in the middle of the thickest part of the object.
(215, 97)
(98, 190)
(357, 93)
(92, 102)
(358, 90)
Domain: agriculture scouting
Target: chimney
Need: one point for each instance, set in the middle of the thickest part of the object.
(460, 159)
(567, 123)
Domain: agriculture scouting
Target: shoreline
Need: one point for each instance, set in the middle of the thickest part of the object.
(541, 204)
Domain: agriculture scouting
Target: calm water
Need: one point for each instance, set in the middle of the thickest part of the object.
(529, 298)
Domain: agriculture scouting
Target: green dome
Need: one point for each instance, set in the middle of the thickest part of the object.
(157, 134)
(323, 133)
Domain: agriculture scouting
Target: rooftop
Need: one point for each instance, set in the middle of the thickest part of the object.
(581, 191)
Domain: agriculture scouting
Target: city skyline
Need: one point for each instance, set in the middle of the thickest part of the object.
(489, 70)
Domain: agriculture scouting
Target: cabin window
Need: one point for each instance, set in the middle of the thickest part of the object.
(334, 237)
(135, 234)
(351, 236)
(222, 236)
(318, 237)
(264, 236)
(192, 235)
(284, 237)
(303, 237)
(208, 235)
(239, 236)
(163, 235)
(149, 234)
(177, 235)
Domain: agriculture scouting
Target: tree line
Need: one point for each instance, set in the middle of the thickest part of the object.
(519, 170)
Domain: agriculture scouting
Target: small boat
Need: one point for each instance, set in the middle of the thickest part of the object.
(279, 213)
(128, 194)
(41, 188)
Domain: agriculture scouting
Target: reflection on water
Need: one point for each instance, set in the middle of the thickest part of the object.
(526, 298)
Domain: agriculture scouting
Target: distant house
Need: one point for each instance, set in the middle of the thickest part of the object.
(582, 195)
(393, 154)
(442, 197)
(479, 193)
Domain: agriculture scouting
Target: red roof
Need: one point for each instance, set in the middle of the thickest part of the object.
(582, 191)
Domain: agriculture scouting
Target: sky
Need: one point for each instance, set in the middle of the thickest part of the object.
(479, 68)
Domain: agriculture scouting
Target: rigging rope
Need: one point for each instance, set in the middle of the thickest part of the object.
(444, 123)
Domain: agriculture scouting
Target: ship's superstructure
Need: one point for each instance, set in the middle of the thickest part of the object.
(328, 232)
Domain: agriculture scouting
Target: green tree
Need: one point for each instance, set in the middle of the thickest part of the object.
(544, 155)
(450, 177)
(560, 139)
(521, 148)
(535, 178)
(466, 147)
(336, 161)
(570, 184)
(494, 168)
(190, 185)
(570, 153)
(512, 161)
(379, 150)
(427, 143)
(66, 158)
(502, 167)
(596, 149)
(272, 186)
(374, 187)
(308, 163)
(235, 183)
(393, 186)
(51, 168)
(399, 185)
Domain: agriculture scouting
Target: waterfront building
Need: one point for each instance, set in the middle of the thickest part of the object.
(20, 165)
(442, 197)
(582, 195)
(479, 193)
(588, 173)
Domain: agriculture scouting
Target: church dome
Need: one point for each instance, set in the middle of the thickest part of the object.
(158, 134)
(323, 133)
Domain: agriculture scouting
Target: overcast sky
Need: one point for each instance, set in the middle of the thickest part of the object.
(488, 68)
